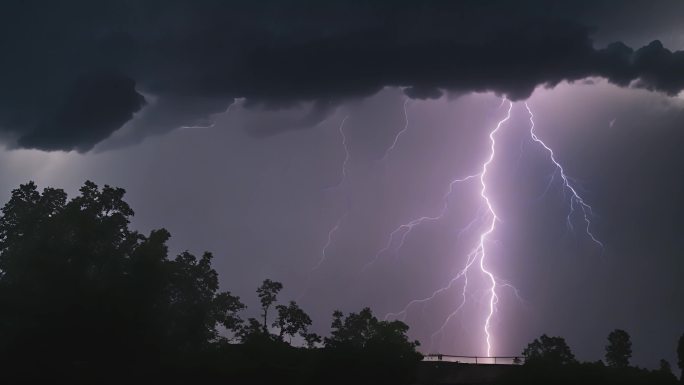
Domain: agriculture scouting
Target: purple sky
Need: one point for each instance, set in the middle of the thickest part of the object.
(265, 206)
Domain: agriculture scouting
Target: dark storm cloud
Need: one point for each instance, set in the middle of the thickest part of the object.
(89, 111)
(76, 70)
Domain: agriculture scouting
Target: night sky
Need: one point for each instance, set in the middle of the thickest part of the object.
(292, 138)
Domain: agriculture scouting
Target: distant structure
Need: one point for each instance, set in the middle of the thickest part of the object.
(465, 370)
(474, 360)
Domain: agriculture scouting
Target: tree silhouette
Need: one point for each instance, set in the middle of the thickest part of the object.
(293, 320)
(253, 329)
(84, 298)
(369, 350)
(619, 349)
(548, 350)
(680, 356)
(195, 308)
(79, 289)
(312, 339)
(364, 330)
(268, 295)
(664, 367)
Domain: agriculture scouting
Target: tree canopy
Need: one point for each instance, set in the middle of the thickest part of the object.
(380, 348)
(291, 320)
(77, 285)
(85, 297)
(619, 349)
(680, 355)
(548, 350)
(268, 295)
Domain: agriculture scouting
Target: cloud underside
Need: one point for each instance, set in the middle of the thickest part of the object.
(79, 72)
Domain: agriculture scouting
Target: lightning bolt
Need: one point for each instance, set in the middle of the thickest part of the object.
(345, 163)
(487, 219)
(331, 235)
(399, 134)
(493, 298)
(478, 254)
(576, 201)
(336, 227)
(338, 223)
(347, 154)
(404, 230)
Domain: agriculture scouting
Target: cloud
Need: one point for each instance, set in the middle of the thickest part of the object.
(90, 110)
(78, 71)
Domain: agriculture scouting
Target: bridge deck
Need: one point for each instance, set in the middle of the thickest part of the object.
(503, 360)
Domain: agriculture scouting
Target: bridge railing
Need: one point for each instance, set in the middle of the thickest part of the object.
(502, 360)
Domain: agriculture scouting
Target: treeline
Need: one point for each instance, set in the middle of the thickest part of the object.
(549, 360)
(84, 298)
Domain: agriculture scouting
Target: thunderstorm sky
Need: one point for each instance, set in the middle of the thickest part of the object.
(223, 123)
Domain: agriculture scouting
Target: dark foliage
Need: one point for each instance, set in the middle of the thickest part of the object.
(292, 320)
(549, 360)
(84, 298)
(619, 349)
(363, 349)
(548, 351)
(680, 356)
(268, 292)
(666, 369)
(82, 293)
(587, 373)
